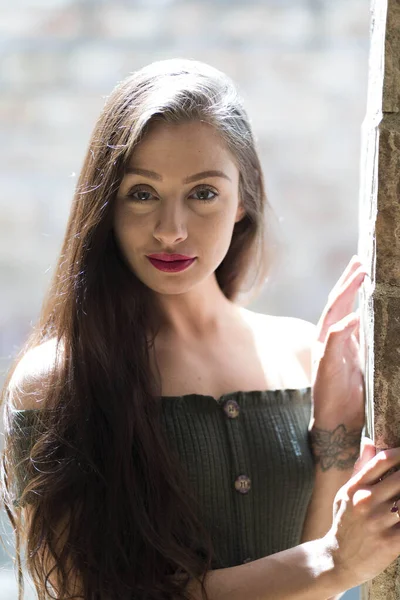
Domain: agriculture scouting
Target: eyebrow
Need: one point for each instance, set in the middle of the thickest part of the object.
(190, 179)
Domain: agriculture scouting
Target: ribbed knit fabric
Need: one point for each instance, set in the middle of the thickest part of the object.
(260, 435)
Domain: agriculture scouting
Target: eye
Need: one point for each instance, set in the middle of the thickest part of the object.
(142, 192)
(206, 190)
(138, 194)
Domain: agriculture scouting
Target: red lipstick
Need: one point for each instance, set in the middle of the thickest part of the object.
(170, 262)
(170, 257)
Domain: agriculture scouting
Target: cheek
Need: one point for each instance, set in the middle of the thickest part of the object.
(127, 227)
(219, 234)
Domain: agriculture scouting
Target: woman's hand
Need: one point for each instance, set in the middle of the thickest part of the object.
(337, 375)
(365, 533)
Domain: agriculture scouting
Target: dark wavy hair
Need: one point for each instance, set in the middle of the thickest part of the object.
(132, 522)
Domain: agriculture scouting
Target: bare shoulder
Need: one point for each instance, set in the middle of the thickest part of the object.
(302, 335)
(298, 331)
(31, 375)
(293, 336)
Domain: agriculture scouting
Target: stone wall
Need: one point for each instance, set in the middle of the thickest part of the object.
(380, 248)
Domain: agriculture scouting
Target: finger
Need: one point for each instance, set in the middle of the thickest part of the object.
(347, 293)
(377, 466)
(337, 336)
(367, 452)
(389, 487)
(341, 329)
(343, 302)
(353, 264)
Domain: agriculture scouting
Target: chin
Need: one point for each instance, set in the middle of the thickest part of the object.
(172, 288)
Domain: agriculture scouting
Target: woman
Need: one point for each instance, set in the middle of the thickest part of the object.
(156, 430)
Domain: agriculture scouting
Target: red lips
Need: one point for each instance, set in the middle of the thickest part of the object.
(171, 266)
(169, 257)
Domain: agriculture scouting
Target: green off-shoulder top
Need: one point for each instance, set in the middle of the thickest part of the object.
(248, 457)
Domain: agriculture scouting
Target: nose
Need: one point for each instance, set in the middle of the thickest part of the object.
(171, 227)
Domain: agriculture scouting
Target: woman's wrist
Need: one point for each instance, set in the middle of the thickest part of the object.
(340, 576)
(335, 444)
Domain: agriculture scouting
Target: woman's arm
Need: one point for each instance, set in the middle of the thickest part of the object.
(335, 461)
(305, 572)
(31, 376)
(335, 449)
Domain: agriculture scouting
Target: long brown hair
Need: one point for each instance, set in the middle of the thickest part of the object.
(132, 518)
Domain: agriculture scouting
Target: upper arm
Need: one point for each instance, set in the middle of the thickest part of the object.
(26, 391)
(32, 376)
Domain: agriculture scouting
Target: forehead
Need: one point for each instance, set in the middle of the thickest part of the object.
(182, 144)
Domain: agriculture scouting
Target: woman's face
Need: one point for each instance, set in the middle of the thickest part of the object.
(179, 194)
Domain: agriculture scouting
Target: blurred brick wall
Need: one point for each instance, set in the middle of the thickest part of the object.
(301, 66)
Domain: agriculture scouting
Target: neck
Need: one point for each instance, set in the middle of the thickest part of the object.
(197, 314)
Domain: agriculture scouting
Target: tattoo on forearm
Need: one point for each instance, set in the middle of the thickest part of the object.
(336, 448)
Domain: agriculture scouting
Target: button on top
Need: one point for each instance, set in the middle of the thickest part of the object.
(231, 408)
(243, 484)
